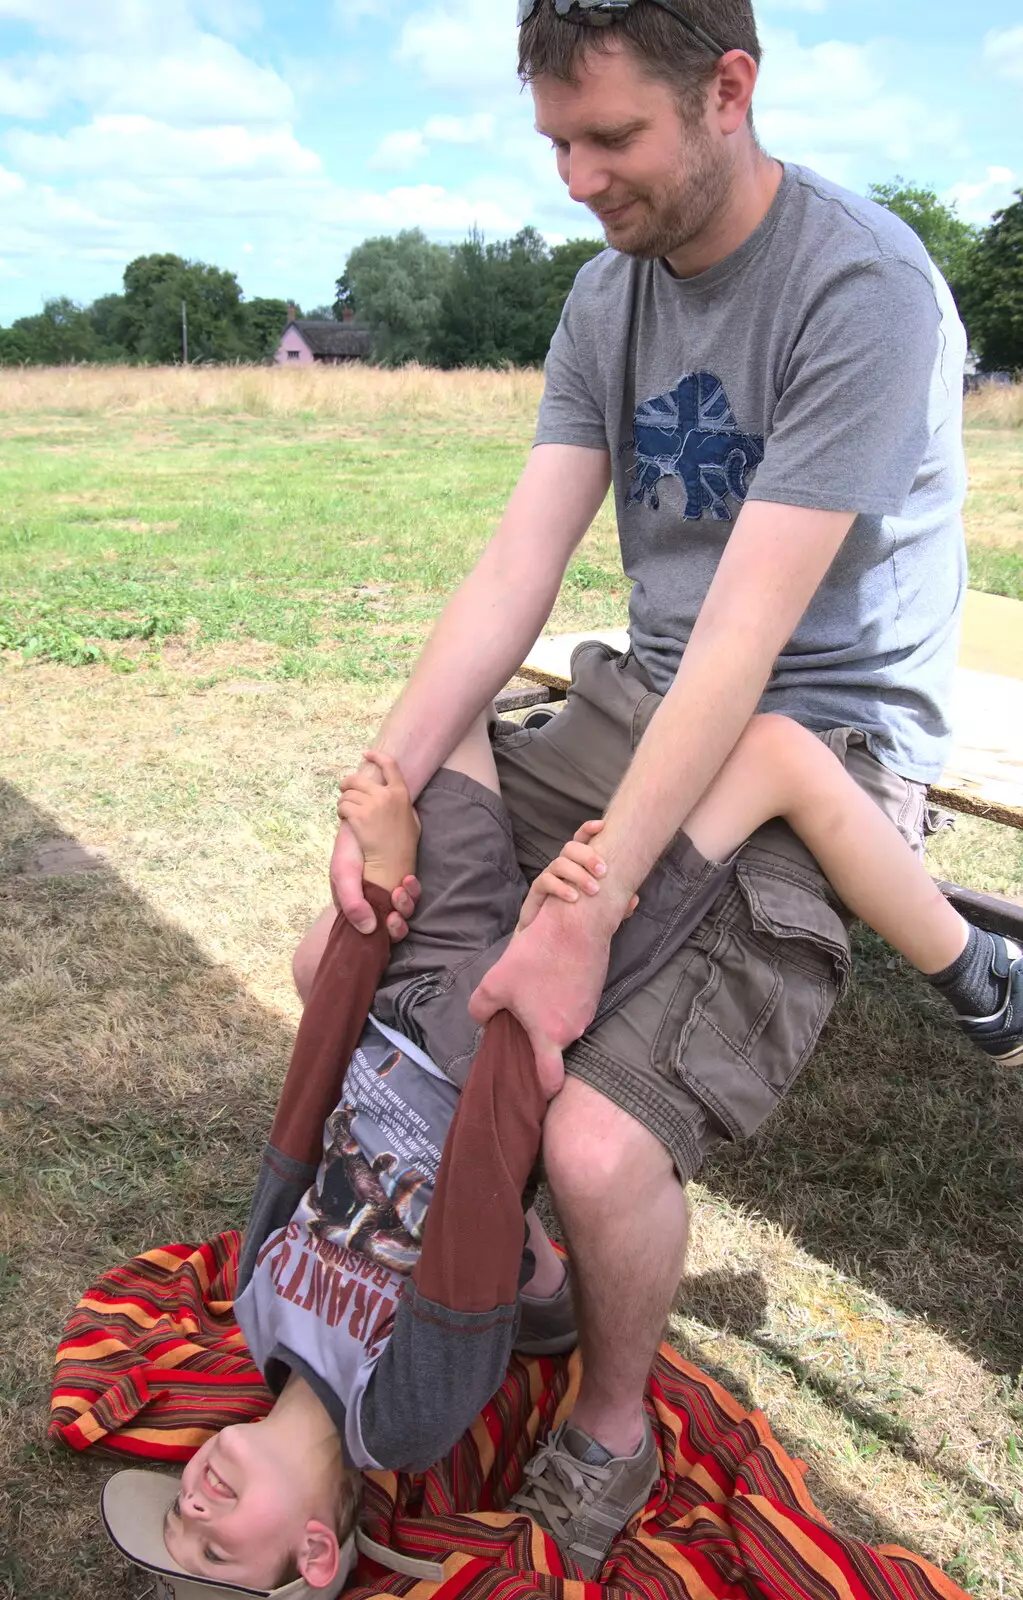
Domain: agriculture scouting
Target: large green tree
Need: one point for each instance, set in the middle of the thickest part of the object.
(949, 241)
(398, 285)
(264, 320)
(503, 300)
(156, 286)
(563, 268)
(60, 333)
(992, 293)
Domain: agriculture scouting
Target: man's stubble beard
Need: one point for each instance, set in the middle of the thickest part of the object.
(683, 210)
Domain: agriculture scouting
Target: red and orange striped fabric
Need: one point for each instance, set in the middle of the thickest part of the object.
(152, 1363)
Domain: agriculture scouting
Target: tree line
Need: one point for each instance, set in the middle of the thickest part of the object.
(470, 304)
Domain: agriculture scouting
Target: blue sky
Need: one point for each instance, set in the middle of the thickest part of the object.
(270, 136)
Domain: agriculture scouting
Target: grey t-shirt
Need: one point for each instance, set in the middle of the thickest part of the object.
(820, 365)
(323, 1296)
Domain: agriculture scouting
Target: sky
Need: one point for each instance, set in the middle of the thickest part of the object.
(270, 136)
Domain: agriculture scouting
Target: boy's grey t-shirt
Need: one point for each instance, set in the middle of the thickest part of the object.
(820, 365)
(324, 1292)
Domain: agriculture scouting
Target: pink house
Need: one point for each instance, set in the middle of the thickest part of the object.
(305, 342)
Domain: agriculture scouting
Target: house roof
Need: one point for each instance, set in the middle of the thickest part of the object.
(335, 338)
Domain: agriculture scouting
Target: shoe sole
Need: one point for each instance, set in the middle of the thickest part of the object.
(547, 1347)
(1013, 1059)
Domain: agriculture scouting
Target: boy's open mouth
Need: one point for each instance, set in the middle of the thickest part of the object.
(215, 1486)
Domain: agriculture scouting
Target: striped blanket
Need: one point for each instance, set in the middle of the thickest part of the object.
(152, 1363)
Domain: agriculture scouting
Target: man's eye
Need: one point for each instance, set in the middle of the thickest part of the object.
(176, 1507)
(211, 1555)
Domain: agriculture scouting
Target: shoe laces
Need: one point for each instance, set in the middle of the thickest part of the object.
(559, 1487)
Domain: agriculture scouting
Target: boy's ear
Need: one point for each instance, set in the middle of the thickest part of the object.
(318, 1555)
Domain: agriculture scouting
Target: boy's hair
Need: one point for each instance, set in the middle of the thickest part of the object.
(552, 46)
(346, 1515)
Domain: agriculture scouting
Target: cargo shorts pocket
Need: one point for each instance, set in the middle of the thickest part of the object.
(758, 980)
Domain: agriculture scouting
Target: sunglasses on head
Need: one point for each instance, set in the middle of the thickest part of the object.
(601, 13)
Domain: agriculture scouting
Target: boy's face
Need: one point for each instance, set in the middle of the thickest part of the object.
(238, 1516)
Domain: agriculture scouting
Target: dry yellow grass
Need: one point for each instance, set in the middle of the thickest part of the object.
(331, 392)
(995, 407)
(327, 392)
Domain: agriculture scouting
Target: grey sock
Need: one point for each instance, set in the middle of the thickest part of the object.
(975, 982)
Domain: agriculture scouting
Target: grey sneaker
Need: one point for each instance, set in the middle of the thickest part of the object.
(1001, 1035)
(585, 1504)
(547, 1327)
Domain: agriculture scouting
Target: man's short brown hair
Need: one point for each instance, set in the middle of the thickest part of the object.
(554, 47)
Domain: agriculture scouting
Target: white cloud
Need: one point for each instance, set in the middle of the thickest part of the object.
(29, 89)
(1003, 50)
(204, 80)
(475, 129)
(147, 148)
(465, 46)
(10, 183)
(398, 151)
(976, 202)
(829, 105)
(351, 12)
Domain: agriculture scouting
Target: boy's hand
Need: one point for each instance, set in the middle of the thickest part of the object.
(578, 870)
(377, 807)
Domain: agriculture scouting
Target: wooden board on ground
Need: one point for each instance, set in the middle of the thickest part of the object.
(984, 775)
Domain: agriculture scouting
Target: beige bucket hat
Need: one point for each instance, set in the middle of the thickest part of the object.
(134, 1505)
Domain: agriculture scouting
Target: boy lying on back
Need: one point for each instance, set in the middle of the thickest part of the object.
(381, 1340)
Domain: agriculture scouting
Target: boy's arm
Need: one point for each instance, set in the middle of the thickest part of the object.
(456, 1321)
(341, 999)
(331, 1027)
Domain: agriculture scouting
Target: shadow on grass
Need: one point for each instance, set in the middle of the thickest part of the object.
(737, 1303)
(898, 1158)
(138, 1084)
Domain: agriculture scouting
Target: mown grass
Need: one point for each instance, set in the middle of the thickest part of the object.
(257, 582)
(326, 522)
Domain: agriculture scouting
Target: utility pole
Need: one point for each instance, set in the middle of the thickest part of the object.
(184, 333)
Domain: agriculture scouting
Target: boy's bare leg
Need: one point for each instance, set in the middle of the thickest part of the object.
(779, 769)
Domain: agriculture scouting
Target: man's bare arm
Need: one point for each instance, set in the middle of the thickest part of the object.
(552, 974)
(485, 630)
(771, 568)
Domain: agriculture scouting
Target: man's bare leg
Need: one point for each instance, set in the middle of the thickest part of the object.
(626, 1221)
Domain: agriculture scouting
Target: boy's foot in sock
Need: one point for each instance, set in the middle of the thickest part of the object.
(547, 1327)
(985, 985)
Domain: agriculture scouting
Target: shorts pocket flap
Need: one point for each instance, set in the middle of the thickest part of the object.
(791, 910)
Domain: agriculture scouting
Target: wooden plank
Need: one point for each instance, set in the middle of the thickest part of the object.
(984, 775)
(550, 660)
(989, 911)
(521, 699)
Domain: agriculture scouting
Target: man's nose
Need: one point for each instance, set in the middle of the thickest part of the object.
(194, 1505)
(587, 177)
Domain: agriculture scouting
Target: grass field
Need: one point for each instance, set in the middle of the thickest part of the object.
(213, 583)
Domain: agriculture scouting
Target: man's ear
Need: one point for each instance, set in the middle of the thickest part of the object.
(319, 1555)
(732, 92)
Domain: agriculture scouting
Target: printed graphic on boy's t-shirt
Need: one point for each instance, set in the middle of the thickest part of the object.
(382, 1150)
(691, 434)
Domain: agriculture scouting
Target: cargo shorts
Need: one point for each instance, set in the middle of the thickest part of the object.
(706, 1047)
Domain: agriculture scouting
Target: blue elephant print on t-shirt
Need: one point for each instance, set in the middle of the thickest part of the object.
(691, 434)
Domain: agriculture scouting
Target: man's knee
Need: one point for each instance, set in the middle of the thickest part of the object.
(310, 953)
(592, 1148)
